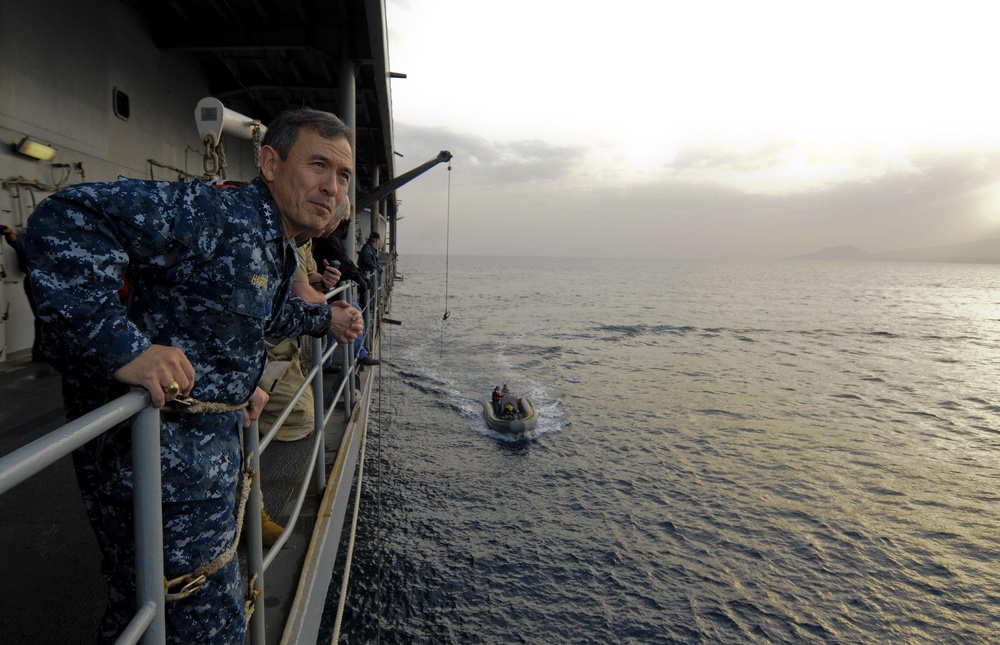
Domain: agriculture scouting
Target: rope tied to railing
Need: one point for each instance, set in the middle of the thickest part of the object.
(250, 603)
(191, 582)
(181, 403)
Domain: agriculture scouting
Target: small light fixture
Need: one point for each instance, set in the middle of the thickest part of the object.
(31, 148)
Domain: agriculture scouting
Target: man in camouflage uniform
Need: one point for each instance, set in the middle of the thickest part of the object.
(209, 271)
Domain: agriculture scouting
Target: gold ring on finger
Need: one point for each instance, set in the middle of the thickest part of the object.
(173, 388)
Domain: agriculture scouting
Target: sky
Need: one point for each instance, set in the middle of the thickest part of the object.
(712, 129)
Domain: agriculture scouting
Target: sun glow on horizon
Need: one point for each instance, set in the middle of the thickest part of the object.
(869, 115)
(665, 73)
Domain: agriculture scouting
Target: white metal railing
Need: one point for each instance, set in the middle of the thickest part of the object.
(148, 625)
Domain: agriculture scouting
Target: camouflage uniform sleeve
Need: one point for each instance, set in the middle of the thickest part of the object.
(79, 244)
(298, 317)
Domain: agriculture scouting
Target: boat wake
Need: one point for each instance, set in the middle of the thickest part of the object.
(448, 395)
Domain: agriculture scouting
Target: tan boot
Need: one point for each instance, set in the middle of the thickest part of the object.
(270, 530)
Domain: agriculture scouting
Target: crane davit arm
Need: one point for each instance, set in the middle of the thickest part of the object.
(382, 190)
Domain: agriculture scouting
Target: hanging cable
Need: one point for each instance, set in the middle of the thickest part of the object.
(447, 250)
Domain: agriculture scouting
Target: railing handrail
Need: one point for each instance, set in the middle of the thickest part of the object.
(41, 453)
(148, 622)
(148, 625)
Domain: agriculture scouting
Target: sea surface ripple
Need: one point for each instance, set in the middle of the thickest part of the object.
(727, 453)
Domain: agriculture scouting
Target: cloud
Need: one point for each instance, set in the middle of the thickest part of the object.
(706, 204)
(490, 162)
(732, 158)
(729, 130)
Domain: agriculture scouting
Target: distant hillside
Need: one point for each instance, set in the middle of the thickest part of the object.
(981, 252)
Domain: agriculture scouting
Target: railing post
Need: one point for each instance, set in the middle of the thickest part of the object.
(148, 513)
(255, 540)
(347, 366)
(377, 311)
(319, 412)
(347, 370)
(366, 310)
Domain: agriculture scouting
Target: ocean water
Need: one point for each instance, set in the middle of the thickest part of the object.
(785, 452)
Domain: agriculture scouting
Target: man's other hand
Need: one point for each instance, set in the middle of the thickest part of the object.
(157, 369)
(346, 322)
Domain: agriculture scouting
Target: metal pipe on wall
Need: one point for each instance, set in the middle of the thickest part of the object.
(347, 83)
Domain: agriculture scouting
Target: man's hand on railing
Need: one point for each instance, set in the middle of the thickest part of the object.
(164, 371)
(254, 406)
(346, 322)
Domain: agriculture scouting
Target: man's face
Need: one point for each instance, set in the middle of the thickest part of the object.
(311, 183)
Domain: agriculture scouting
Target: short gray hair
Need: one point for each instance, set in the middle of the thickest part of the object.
(284, 130)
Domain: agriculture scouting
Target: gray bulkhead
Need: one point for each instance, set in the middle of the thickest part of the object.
(67, 70)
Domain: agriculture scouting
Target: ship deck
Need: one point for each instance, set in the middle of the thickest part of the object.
(54, 591)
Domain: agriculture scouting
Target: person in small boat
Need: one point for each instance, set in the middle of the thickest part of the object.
(496, 400)
(509, 412)
(504, 391)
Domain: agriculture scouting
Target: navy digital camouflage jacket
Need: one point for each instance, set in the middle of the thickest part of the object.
(209, 271)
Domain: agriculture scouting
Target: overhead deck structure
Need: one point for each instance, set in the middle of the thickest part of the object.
(262, 57)
(109, 86)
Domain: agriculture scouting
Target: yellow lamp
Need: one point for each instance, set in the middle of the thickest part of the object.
(31, 148)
